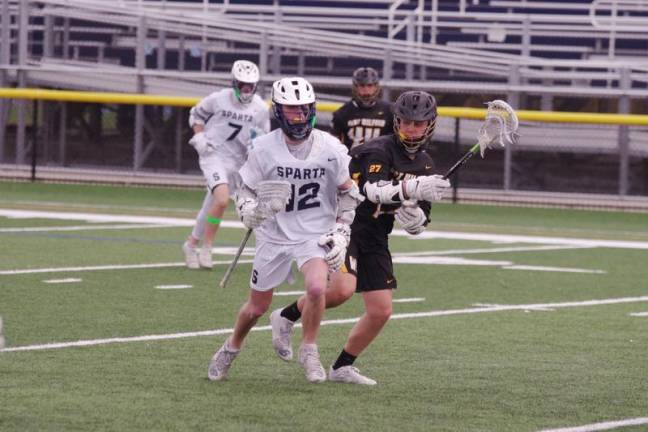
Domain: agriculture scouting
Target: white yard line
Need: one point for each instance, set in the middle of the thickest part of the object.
(288, 293)
(498, 308)
(507, 265)
(639, 314)
(542, 309)
(60, 281)
(95, 217)
(403, 259)
(82, 228)
(222, 250)
(439, 260)
(489, 250)
(553, 269)
(601, 426)
(104, 267)
(170, 287)
(494, 238)
(500, 238)
(408, 300)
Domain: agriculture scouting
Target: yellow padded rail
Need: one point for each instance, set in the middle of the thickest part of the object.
(96, 97)
(461, 112)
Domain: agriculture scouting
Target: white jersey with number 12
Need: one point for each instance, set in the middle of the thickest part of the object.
(312, 209)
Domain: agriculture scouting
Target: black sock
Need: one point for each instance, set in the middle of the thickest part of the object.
(345, 359)
(291, 312)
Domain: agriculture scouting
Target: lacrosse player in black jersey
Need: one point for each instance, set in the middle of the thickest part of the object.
(363, 117)
(395, 174)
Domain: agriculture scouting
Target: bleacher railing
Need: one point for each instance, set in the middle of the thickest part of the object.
(608, 151)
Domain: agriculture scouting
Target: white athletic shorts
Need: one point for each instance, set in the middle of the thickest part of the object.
(272, 262)
(219, 171)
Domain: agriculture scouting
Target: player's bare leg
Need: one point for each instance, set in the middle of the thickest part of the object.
(256, 305)
(340, 288)
(190, 248)
(315, 277)
(378, 309)
(220, 200)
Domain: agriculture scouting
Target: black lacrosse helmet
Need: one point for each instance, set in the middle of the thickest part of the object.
(365, 76)
(415, 106)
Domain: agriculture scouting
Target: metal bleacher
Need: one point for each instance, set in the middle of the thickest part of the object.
(497, 42)
(533, 53)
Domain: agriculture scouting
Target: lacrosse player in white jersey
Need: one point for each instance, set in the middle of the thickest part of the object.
(224, 124)
(312, 229)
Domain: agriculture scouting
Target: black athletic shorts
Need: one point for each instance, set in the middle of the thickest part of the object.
(371, 263)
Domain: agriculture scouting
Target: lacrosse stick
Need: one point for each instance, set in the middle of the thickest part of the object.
(499, 128)
(272, 197)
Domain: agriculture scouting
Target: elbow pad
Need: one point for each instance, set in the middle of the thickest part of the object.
(384, 192)
(197, 116)
(423, 188)
(348, 200)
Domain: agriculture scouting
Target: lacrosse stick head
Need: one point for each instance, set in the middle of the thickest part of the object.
(499, 128)
(273, 195)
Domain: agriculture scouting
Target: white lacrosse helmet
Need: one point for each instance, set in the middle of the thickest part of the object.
(294, 91)
(244, 72)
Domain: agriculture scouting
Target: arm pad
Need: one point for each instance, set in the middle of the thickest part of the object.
(425, 188)
(348, 200)
(384, 192)
(198, 115)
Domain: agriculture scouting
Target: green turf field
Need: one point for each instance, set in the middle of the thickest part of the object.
(507, 319)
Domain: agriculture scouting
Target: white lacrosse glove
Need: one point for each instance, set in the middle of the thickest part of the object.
(426, 188)
(411, 218)
(248, 211)
(202, 145)
(336, 242)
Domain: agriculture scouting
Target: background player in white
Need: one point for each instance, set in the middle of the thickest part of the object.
(224, 124)
(313, 228)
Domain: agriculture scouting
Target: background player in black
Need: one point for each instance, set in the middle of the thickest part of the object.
(394, 171)
(363, 117)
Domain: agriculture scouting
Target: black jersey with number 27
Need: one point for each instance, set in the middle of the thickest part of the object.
(385, 159)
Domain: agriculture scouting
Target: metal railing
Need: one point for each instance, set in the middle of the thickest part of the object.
(284, 39)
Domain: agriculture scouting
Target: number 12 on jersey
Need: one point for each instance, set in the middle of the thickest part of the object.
(306, 197)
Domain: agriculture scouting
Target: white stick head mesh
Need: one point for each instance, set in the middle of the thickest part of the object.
(499, 128)
(273, 195)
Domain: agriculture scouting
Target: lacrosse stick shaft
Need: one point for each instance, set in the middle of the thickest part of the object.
(462, 161)
(232, 265)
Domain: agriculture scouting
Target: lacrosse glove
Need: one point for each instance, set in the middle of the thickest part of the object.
(202, 145)
(411, 218)
(248, 211)
(335, 242)
(426, 188)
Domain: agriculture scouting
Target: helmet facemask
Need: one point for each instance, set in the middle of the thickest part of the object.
(412, 144)
(242, 90)
(245, 76)
(414, 106)
(294, 92)
(296, 130)
(364, 77)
